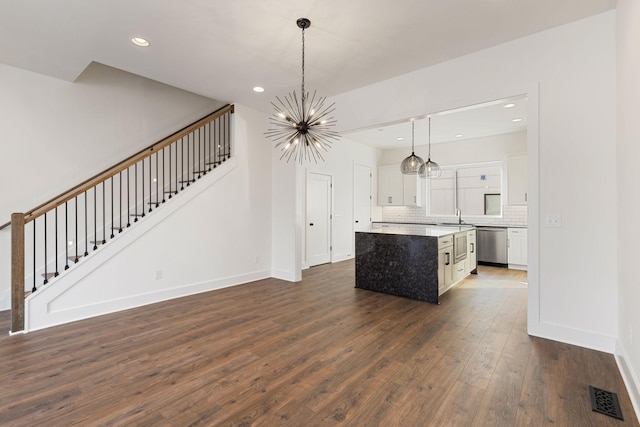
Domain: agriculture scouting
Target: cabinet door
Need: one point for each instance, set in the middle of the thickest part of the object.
(390, 186)
(517, 180)
(517, 244)
(445, 268)
(472, 256)
(412, 190)
(458, 272)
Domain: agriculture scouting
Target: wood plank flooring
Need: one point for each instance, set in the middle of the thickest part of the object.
(315, 353)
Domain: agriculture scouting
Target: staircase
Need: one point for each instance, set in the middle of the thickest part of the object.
(53, 238)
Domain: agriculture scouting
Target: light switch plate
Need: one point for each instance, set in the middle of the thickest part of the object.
(553, 221)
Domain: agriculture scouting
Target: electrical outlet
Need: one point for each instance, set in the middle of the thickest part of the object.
(553, 221)
(158, 274)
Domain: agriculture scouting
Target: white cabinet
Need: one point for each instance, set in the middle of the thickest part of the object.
(458, 271)
(517, 248)
(396, 189)
(517, 180)
(472, 255)
(390, 186)
(412, 190)
(445, 263)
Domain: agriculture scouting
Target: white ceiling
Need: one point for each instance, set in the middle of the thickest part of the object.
(475, 121)
(222, 49)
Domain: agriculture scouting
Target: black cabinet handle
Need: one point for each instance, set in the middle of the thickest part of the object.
(448, 261)
(357, 221)
(311, 224)
(473, 247)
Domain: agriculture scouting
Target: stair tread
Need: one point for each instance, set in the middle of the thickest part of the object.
(48, 275)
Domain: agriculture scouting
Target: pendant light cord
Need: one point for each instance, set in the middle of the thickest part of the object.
(412, 134)
(429, 156)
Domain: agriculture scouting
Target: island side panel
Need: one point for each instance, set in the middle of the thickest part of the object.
(395, 264)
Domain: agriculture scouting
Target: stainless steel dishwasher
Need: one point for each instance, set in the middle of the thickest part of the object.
(492, 246)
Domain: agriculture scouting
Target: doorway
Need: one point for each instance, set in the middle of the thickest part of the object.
(319, 218)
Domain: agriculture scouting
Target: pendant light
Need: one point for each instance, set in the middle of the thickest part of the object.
(430, 169)
(412, 164)
(302, 127)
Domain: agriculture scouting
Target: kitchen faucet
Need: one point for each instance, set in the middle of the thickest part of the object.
(459, 215)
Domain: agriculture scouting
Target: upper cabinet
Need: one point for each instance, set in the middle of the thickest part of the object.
(396, 189)
(517, 179)
(390, 186)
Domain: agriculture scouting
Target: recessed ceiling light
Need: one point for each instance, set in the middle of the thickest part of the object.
(516, 120)
(139, 41)
(509, 105)
(258, 89)
(459, 135)
(400, 138)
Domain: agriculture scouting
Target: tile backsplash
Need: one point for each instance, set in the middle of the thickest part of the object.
(512, 215)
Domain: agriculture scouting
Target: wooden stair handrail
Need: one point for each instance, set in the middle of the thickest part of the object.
(114, 170)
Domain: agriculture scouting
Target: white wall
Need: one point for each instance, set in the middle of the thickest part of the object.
(569, 73)
(628, 32)
(57, 134)
(289, 205)
(219, 237)
(339, 161)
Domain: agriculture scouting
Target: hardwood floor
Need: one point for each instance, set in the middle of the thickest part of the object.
(320, 352)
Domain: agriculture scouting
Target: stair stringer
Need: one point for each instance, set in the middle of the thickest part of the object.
(41, 310)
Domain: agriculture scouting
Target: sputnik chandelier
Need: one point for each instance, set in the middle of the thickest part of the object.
(301, 127)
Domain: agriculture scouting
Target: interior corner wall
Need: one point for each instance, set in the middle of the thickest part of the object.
(628, 174)
(571, 71)
(285, 259)
(56, 134)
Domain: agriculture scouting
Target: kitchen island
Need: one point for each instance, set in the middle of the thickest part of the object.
(414, 261)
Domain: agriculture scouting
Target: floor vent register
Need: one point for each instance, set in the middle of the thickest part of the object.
(605, 402)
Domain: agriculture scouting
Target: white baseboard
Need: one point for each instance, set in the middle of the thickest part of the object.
(341, 257)
(629, 377)
(577, 337)
(289, 276)
(45, 317)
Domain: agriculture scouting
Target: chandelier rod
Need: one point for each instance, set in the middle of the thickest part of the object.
(429, 155)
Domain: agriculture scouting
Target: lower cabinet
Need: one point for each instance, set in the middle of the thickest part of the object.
(517, 248)
(459, 272)
(449, 273)
(445, 263)
(472, 254)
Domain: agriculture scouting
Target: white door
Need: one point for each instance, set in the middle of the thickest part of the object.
(318, 218)
(361, 198)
